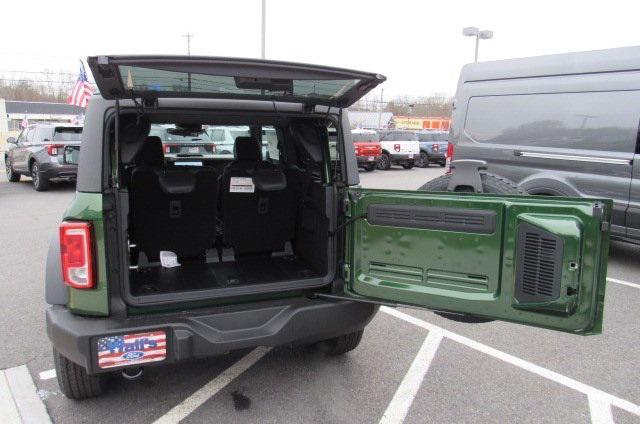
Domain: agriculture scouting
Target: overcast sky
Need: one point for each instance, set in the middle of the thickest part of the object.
(418, 45)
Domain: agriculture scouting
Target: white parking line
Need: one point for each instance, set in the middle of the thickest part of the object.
(403, 398)
(592, 392)
(624, 283)
(8, 407)
(23, 391)
(48, 374)
(190, 404)
(600, 410)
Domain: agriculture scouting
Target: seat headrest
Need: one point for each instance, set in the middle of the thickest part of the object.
(151, 152)
(247, 149)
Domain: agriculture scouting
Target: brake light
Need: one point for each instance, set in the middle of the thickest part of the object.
(449, 158)
(167, 148)
(435, 147)
(76, 254)
(52, 149)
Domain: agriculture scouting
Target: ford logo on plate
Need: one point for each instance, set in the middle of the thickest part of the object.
(133, 355)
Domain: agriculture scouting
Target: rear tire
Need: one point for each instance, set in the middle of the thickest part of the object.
(74, 381)
(40, 183)
(369, 167)
(423, 160)
(12, 176)
(408, 165)
(343, 344)
(490, 184)
(384, 163)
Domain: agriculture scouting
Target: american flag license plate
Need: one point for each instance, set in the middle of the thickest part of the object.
(132, 349)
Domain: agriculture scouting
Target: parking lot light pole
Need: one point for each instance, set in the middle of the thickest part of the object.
(480, 35)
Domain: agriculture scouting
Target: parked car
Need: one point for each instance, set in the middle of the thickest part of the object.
(225, 136)
(558, 130)
(399, 147)
(44, 152)
(433, 148)
(367, 147)
(184, 140)
(158, 261)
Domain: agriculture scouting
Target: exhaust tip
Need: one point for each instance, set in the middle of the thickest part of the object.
(132, 373)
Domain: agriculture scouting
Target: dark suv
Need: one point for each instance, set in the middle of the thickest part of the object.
(159, 261)
(44, 152)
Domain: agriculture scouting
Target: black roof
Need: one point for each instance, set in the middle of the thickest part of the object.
(44, 108)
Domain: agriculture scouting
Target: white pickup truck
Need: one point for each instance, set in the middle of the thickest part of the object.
(399, 147)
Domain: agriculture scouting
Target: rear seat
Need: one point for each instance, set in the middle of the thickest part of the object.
(172, 208)
(257, 206)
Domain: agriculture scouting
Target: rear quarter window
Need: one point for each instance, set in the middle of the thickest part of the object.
(606, 121)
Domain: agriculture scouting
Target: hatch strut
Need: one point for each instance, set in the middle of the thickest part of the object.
(117, 146)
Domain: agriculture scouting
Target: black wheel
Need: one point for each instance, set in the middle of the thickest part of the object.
(369, 167)
(74, 381)
(423, 160)
(408, 165)
(12, 176)
(384, 163)
(39, 182)
(490, 184)
(343, 344)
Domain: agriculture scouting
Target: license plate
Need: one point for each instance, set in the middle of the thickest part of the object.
(194, 149)
(131, 349)
(410, 156)
(371, 158)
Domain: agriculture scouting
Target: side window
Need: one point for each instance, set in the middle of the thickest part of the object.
(591, 121)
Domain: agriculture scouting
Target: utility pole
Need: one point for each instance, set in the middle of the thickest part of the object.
(188, 36)
(264, 27)
(380, 108)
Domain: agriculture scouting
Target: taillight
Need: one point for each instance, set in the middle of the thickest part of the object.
(449, 157)
(435, 147)
(76, 254)
(52, 149)
(167, 148)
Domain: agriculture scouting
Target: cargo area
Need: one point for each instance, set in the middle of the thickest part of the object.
(201, 227)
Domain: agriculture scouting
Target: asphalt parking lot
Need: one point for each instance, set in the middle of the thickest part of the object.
(411, 366)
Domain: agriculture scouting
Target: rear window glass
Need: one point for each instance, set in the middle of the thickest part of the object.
(433, 136)
(590, 121)
(67, 134)
(365, 137)
(146, 79)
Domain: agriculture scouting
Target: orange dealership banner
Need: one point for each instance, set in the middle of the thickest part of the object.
(422, 123)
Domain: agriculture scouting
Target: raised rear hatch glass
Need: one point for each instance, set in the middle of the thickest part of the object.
(231, 78)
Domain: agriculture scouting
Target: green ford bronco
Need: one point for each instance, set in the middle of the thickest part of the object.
(162, 258)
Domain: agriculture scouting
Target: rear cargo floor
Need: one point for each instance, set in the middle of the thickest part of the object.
(204, 276)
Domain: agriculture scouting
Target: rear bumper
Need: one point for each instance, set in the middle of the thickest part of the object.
(402, 157)
(436, 156)
(211, 332)
(55, 170)
(364, 160)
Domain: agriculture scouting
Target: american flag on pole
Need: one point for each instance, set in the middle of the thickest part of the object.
(131, 349)
(82, 91)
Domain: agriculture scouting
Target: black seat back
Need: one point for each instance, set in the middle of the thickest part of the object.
(172, 208)
(257, 205)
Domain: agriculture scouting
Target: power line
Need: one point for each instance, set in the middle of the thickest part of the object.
(37, 72)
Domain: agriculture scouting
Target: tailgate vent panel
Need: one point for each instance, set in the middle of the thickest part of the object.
(433, 218)
(539, 264)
